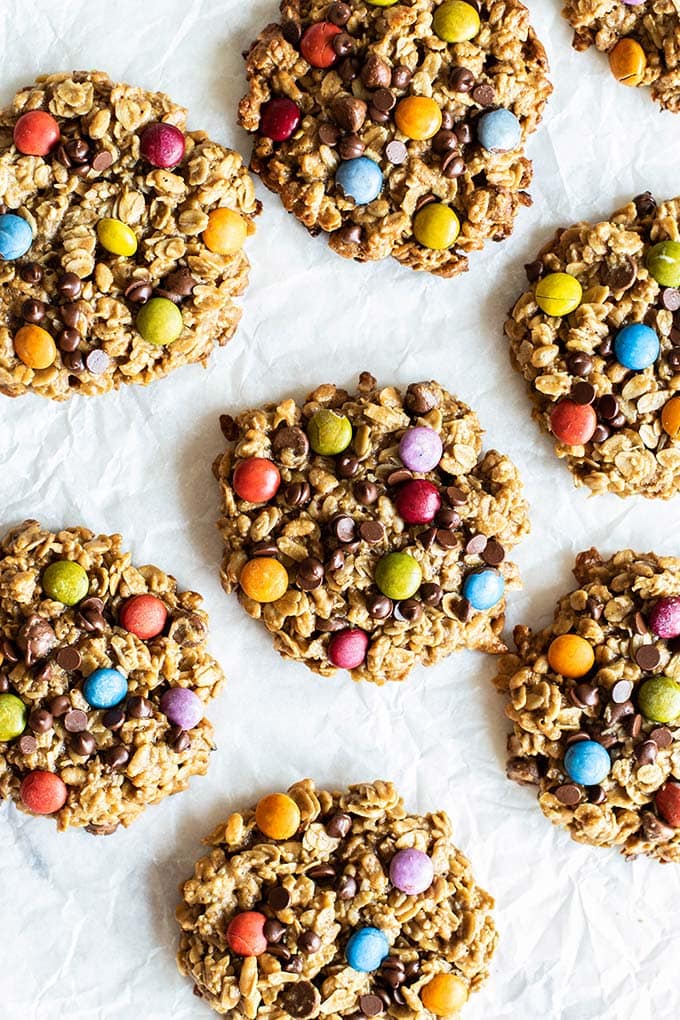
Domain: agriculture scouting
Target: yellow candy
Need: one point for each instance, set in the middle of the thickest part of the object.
(264, 579)
(381, 3)
(436, 226)
(456, 21)
(444, 994)
(670, 417)
(418, 117)
(159, 321)
(226, 232)
(571, 655)
(627, 62)
(116, 237)
(558, 294)
(277, 816)
(35, 347)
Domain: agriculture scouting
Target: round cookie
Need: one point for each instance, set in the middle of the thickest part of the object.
(104, 676)
(385, 550)
(375, 128)
(641, 37)
(595, 703)
(327, 922)
(121, 237)
(597, 337)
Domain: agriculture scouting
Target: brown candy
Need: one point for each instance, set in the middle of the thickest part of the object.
(348, 113)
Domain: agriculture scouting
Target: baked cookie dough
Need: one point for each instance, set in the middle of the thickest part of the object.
(318, 903)
(597, 337)
(121, 237)
(595, 702)
(368, 531)
(398, 128)
(642, 38)
(104, 676)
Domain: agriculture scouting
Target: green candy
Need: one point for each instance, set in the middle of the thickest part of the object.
(398, 575)
(663, 262)
(66, 582)
(159, 321)
(455, 21)
(659, 699)
(328, 432)
(12, 716)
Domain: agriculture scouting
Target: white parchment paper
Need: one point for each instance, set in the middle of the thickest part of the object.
(87, 927)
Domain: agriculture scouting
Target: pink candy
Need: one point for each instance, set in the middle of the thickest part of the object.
(347, 649)
(162, 144)
(279, 119)
(418, 501)
(664, 619)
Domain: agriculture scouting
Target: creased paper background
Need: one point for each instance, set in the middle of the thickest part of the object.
(86, 925)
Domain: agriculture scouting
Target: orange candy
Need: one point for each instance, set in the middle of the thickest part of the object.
(572, 423)
(277, 816)
(670, 417)
(628, 62)
(143, 615)
(245, 934)
(418, 117)
(36, 133)
(316, 45)
(264, 579)
(43, 793)
(226, 232)
(444, 994)
(34, 346)
(571, 655)
(256, 479)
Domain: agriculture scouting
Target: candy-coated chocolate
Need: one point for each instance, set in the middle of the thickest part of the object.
(664, 617)
(116, 236)
(329, 432)
(182, 707)
(398, 575)
(162, 144)
(366, 949)
(256, 479)
(667, 801)
(420, 449)
(360, 179)
(245, 934)
(264, 579)
(279, 118)
(316, 45)
(277, 816)
(65, 581)
(13, 715)
(226, 232)
(43, 793)
(347, 649)
(659, 699)
(16, 236)
(636, 346)
(483, 588)
(411, 871)
(34, 346)
(159, 322)
(628, 61)
(444, 994)
(436, 226)
(455, 21)
(571, 655)
(587, 762)
(143, 615)
(670, 417)
(36, 133)
(418, 117)
(381, 3)
(663, 262)
(573, 423)
(105, 688)
(558, 294)
(499, 130)
(418, 501)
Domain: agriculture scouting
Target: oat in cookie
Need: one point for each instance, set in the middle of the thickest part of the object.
(641, 37)
(320, 903)
(369, 531)
(398, 128)
(121, 237)
(104, 678)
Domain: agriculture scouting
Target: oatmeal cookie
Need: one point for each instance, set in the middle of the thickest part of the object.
(121, 237)
(369, 531)
(319, 903)
(595, 703)
(399, 128)
(104, 676)
(597, 337)
(642, 38)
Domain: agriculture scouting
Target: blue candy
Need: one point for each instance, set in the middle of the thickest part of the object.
(16, 236)
(636, 346)
(499, 131)
(483, 589)
(587, 762)
(105, 688)
(360, 179)
(366, 949)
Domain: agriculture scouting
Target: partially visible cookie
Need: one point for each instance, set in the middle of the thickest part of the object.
(595, 702)
(641, 37)
(369, 531)
(121, 237)
(320, 903)
(104, 677)
(398, 128)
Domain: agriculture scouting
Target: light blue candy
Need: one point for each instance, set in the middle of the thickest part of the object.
(366, 949)
(587, 762)
(16, 236)
(105, 688)
(483, 589)
(499, 131)
(360, 179)
(636, 346)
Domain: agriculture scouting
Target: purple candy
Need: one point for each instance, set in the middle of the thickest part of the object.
(182, 707)
(411, 871)
(420, 449)
(664, 619)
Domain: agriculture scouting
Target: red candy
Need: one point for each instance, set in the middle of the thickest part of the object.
(36, 133)
(347, 649)
(279, 118)
(143, 615)
(573, 423)
(43, 793)
(418, 501)
(162, 144)
(667, 802)
(245, 934)
(256, 479)
(316, 44)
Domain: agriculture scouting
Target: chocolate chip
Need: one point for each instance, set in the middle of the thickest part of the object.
(600, 434)
(401, 76)
(430, 593)
(384, 100)
(36, 639)
(645, 204)
(379, 606)
(365, 492)
(73, 361)
(33, 311)
(461, 79)
(63, 156)
(674, 360)
(351, 147)
(608, 406)
(31, 272)
(618, 421)
(343, 528)
(83, 744)
(484, 95)
(9, 650)
(372, 532)
(77, 150)
(376, 74)
(329, 134)
(40, 720)
(617, 711)
(343, 44)
(447, 539)
(28, 744)
(321, 872)
(351, 233)
(102, 160)
(278, 898)
(75, 721)
(670, 298)
(291, 32)
(371, 1005)
(412, 969)
(346, 888)
(279, 952)
(297, 494)
(116, 757)
(661, 736)
(646, 752)
(587, 695)
(447, 518)
(309, 574)
(580, 365)
(444, 141)
(575, 738)
(339, 825)
(138, 292)
(453, 165)
(348, 113)
(180, 284)
(640, 624)
(70, 314)
(408, 611)
(425, 200)
(647, 657)
(294, 965)
(114, 718)
(605, 346)
(273, 930)
(139, 707)
(634, 725)
(348, 69)
(330, 625)
(399, 476)
(300, 999)
(476, 545)
(427, 537)
(69, 286)
(336, 560)
(339, 13)
(583, 392)
(59, 706)
(97, 361)
(568, 794)
(68, 339)
(493, 553)
(523, 770)
(533, 271)
(378, 116)
(347, 465)
(178, 739)
(619, 277)
(309, 942)
(596, 795)
(621, 691)
(654, 829)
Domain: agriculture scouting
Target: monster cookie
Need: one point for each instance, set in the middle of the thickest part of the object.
(104, 676)
(398, 127)
(335, 905)
(121, 237)
(597, 337)
(642, 38)
(369, 531)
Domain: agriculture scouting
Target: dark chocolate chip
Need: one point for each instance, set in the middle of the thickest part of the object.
(83, 744)
(336, 560)
(70, 314)
(290, 437)
(583, 392)
(646, 752)
(278, 898)
(297, 494)
(408, 611)
(291, 32)
(371, 1005)
(339, 825)
(139, 707)
(608, 406)
(116, 757)
(33, 311)
(280, 952)
(580, 365)
(365, 492)
(376, 74)
(654, 829)
(430, 593)
(309, 942)
(101, 160)
(346, 888)
(347, 465)
(329, 134)
(661, 736)
(309, 574)
(372, 532)
(645, 204)
(294, 966)
(640, 624)
(273, 930)
(533, 271)
(461, 79)
(351, 233)
(621, 276)
(493, 553)
(321, 872)
(401, 76)
(596, 795)
(379, 606)
(453, 165)
(60, 705)
(633, 725)
(40, 720)
(68, 339)
(114, 718)
(31, 272)
(299, 999)
(339, 13)
(343, 44)
(617, 711)
(138, 292)
(351, 147)
(568, 794)
(69, 286)
(647, 657)
(384, 100)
